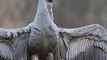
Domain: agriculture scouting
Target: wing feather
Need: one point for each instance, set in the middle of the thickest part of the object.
(82, 46)
(85, 40)
(6, 51)
(21, 46)
(13, 39)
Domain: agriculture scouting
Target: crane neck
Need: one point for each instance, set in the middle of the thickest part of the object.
(42, 14)
(50, 10)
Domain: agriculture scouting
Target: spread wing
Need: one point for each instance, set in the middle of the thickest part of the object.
(85, 43)
(13, 42)
(6, 50)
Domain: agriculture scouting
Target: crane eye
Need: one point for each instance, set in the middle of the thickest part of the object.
(49, 0)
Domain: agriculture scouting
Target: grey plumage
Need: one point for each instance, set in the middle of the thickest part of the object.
(79, 40)
(43, 40)
(6, 51)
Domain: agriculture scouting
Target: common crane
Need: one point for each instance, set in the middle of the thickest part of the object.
(43, 40)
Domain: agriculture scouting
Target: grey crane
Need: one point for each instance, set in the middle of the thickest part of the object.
(43, 40)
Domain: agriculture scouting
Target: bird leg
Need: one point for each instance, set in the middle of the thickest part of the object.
(35, 57)
(50, 56)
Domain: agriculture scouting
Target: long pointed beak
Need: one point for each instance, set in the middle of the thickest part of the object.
(42, 12)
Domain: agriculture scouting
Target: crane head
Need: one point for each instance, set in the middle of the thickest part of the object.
(50, 1)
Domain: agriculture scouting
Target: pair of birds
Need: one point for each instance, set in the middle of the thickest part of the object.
(43, 40)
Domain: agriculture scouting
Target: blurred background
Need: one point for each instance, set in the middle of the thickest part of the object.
(67, 13)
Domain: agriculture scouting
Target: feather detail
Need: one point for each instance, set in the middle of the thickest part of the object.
(79, 40)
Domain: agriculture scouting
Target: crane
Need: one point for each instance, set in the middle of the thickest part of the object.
(43, 40)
